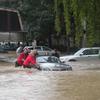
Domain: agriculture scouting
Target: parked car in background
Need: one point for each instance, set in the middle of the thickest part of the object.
(42, 50)
(52, 63)
(11, 47)
(2, 49)
(82, 54)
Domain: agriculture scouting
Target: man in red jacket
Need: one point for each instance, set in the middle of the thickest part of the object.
(30, 61)
(21, 58)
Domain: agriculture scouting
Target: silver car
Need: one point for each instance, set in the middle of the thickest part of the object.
(91, 53)
(51, 63)
(42, 50)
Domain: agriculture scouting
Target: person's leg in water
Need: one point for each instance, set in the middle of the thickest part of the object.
(36, 66)
(16, 64)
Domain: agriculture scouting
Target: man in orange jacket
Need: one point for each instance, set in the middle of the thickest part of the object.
(21, 58)
(30, 61)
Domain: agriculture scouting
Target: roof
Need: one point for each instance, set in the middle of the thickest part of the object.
(10, 20)
(6, 9)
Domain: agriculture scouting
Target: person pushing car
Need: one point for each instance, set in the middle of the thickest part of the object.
(30, 61)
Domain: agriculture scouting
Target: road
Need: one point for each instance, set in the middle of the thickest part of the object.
(83, 83)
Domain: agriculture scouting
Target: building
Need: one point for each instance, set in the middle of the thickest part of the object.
(11, 28)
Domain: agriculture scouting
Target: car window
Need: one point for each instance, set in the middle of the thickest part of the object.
(87, 52)
(38, 48)
(91, 51)
(41, 60)
(53, 60)
(95, 51)
(46, 49)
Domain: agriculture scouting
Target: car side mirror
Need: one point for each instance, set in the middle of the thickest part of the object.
(81, 54)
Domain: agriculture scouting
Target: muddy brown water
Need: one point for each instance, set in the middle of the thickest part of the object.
(83, 83)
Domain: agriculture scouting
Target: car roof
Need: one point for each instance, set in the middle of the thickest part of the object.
(36, 46)
(82, 49)
(89, 48)
(45, 56)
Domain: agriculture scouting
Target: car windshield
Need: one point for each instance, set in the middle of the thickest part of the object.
(53, 60)
(41, 60)
(49, 59)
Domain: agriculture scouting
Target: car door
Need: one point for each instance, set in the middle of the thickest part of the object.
(83, 55)
(94, 54)
(89, 54)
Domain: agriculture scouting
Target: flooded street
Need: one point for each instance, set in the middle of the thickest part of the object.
(36, 85)
(83, 83)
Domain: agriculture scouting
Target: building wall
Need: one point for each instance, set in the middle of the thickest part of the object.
(11, 37)
(11, 28)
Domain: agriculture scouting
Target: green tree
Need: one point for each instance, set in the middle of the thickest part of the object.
(84, 13)
(37, 17)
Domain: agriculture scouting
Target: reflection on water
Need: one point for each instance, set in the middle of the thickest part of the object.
(29, 85)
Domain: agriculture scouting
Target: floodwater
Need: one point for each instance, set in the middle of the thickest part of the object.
(30, 84)
(83, 83)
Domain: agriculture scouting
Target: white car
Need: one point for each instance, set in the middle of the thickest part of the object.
(51, 63)
(42, 50)
(82, 54)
